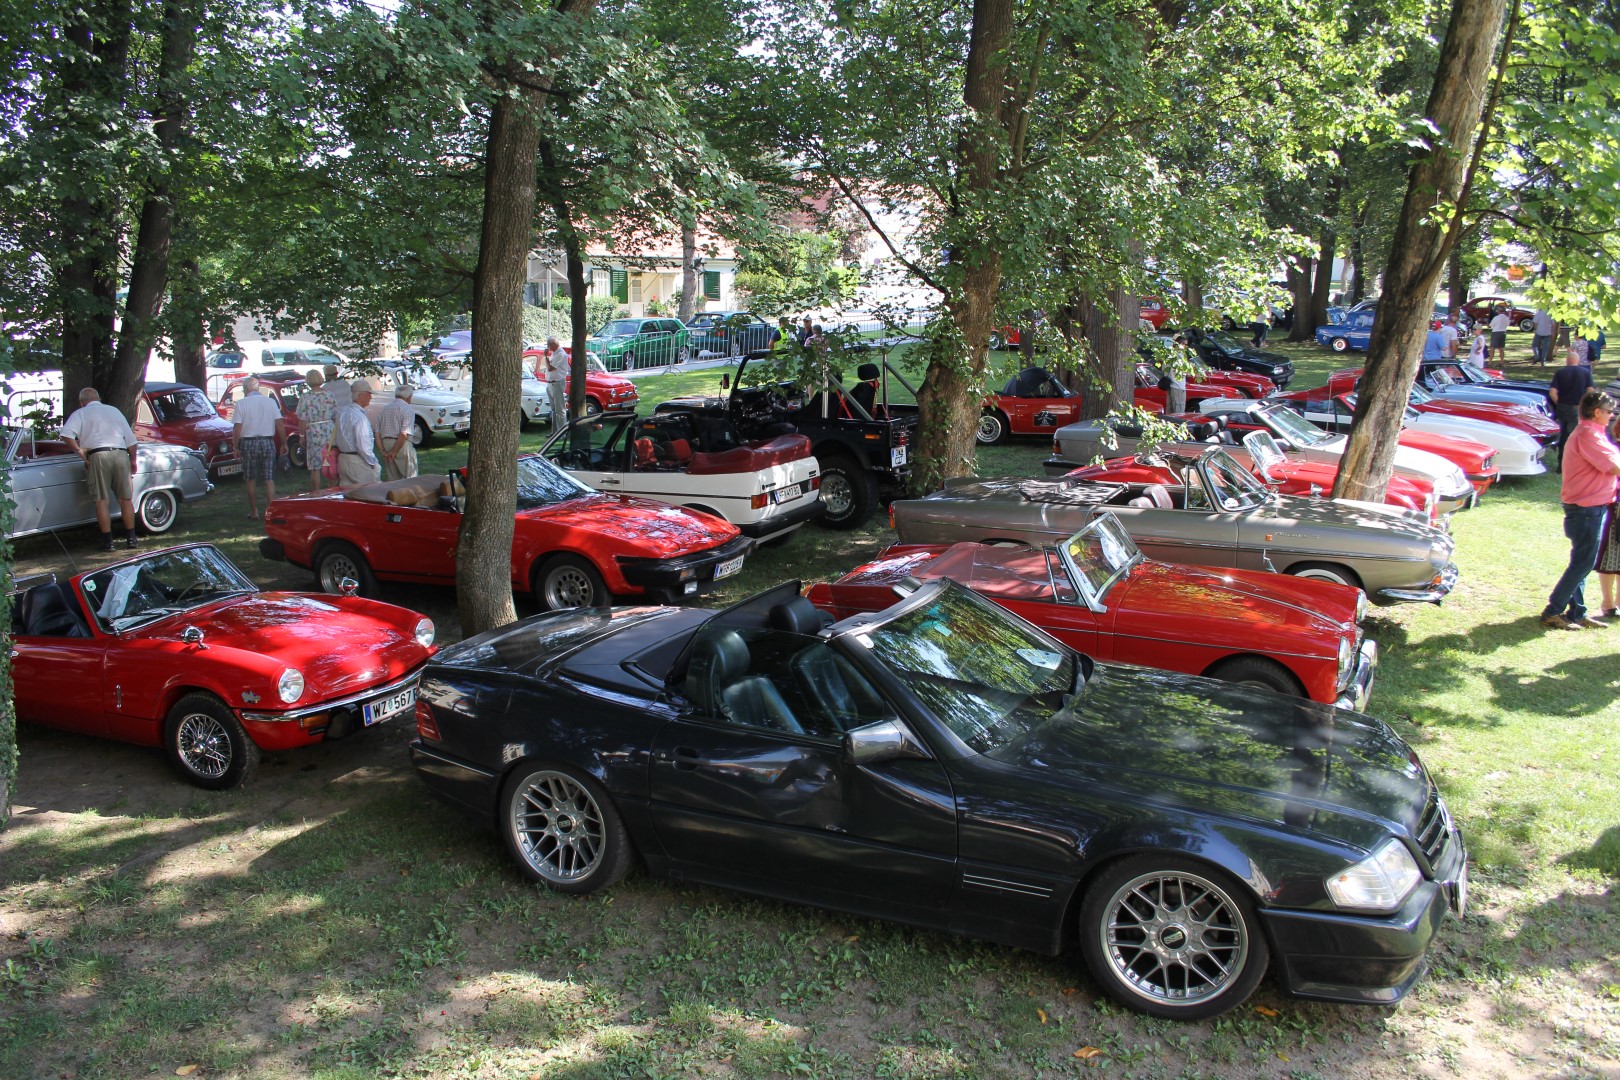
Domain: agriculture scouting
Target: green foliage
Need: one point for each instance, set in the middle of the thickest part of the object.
(793, 273)
(8, 718)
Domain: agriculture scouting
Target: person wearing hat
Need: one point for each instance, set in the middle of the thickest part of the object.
(352, 435)
(865, 391)
(394, 427)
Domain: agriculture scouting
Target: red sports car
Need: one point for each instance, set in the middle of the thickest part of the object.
(1034, 403)
(604, 389)
(1149, 379)
(573, 546)
(1531, 421)
(1098, 594)
(182, 415)
(1483, 308)
(283, 388)
(179, 649)
(1153, 314)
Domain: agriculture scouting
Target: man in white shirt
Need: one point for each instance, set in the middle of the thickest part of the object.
(102, 437)
(1499, 325)
(557, 382)
(352, 435)
(1448, 335)
(1541, 343)
(259, 435)
(394, 426)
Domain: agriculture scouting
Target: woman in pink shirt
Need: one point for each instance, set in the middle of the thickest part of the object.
(1590, 464)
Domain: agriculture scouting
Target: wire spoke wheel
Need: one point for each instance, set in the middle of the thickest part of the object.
(1174, 938)
(204, 745)
(558, 827)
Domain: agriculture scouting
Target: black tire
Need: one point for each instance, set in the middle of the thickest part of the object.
(683, 354)
(1340, 575)
(207, 745)
(997, 342)
(563, 829)
(295, 453)
(1339, 344)
(523, 420)
(1171, 937)
(565, 581)
(847, 492)
(993, 425)
(629, 361)
(1260, 671)
(420, 435)
(1527, 325)
(592, 408)
(158, 511)
(339, 559)
(1227, 324)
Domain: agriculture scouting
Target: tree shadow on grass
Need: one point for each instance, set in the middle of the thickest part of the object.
(1603, 855)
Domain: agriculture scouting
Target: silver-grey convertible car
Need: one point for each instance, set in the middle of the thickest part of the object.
(47, 484)
(1208, 511)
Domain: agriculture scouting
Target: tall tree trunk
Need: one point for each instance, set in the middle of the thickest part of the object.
(1327, 249)
(1192, 295)
(1438, 176)
(691, 286)
(948, 400)
(553, 179)
(1109, 322)
(91, 85)
(149, 274)
(1455, 296)
(484, 554)
(1299, 291)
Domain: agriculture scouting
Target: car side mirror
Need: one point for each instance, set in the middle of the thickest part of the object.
(348, 586)
(886, 740)
(193, 635)
(725, 382)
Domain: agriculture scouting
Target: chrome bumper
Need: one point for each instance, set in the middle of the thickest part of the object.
(1354, 697)
(1436, 590)
(337, 703)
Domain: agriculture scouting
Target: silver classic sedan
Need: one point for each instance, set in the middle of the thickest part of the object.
(46, 482)
(1208, 511)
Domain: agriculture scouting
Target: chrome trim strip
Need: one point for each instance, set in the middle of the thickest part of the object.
(1020, 888)
(427, 751)
(338, 703)
(1319, 553)
(1438, 588)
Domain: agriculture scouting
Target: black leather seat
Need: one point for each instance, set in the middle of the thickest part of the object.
(49, 610)
(718, 682)
(798, 616)
(840, 697)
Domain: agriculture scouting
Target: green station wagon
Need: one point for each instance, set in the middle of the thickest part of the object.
(625, 344)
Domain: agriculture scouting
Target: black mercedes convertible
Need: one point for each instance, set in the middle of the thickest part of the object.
(946, 764)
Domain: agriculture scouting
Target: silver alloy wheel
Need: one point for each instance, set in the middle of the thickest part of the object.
(203, 745)
(990, 428)
(558, 827)
(335, 568)
(1174, 938)
(836, 494)
(158, 511)
(568, 586)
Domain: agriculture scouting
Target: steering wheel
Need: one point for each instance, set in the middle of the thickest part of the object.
(575, 459)
(197, 586)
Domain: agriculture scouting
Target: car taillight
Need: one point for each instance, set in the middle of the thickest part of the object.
(426, 726)
(902, 437)
(760, 501)
(815, 483)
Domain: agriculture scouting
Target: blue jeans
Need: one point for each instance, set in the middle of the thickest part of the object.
(1584, 527)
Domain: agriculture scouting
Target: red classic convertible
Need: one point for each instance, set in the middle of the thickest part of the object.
(573, 546)
(1098, 594)
(177, 648)
(1035, 403)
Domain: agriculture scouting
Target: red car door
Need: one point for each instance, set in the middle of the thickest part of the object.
(57, 680)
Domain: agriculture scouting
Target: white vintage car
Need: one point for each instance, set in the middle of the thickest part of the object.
(766, 487)
(1517, 454)
(439, 409)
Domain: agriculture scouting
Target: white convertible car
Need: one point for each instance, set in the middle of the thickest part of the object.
(1517, 454)
(766, 487)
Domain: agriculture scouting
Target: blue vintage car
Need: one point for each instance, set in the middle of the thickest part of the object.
(1353, 332)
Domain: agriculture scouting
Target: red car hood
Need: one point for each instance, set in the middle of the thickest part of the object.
(1256, 385)
(341, 644)
(655, 529)
(1167, 600)
(1514, 416)
(1302, 474)
(1465, 453)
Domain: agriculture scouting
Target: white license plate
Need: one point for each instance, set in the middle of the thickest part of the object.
(229, 470)
(463, 425)
(897, 457)
(787, 494)
(392, 705)
(727, 568)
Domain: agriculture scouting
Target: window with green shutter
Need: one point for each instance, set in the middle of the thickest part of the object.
(620, 287)
(711, 284)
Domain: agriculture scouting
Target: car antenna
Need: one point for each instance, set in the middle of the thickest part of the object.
(71, 560)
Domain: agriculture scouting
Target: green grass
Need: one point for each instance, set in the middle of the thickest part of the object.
(330, 921)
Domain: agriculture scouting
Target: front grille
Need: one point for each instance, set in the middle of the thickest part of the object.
(1434, 828)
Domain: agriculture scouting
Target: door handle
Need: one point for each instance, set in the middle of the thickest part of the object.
(608, 480)
(687, 758)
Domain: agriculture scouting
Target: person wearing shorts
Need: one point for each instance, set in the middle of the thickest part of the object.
(102, 437)
(1499, 327)
(259, 435)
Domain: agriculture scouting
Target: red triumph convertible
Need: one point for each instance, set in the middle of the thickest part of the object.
(573, 546)
(1035, 403)
(178, 648)
(1098, 594)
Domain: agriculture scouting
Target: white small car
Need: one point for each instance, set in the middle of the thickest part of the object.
(439, 410)
(455, 373)
(768, 488)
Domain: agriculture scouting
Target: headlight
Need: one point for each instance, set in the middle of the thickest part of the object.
(1380, 882)
(1347, 659)
(1361, 606)
(424, 632)
(291, 685)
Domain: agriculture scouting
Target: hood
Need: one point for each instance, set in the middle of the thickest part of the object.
(1345, 514)
(341, 644)
(192, 431)
(1209, 745)
(1465, 453)
(1231, 607)
(651, 529)
(1487, 433)
(440, 399)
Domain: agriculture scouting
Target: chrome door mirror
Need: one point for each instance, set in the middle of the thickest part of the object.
(886, 740)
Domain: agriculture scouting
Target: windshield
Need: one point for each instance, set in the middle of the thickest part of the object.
(620, 328)
(1224, 340)
(1419, 396)
(1474, 372)
(1099, 554)
(1265, 451)
(183, 405)
(986, 674)
(167, 583)
(540, 483)
(1295, 428)
(1230, 486)
(1440, 377)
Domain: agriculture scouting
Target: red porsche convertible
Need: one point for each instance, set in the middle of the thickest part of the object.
(179, 649)
(1098, 594)
(573, 546)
